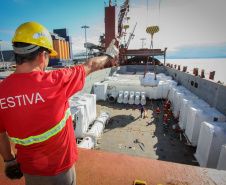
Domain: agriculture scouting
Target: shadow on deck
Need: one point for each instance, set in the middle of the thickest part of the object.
(129, 134)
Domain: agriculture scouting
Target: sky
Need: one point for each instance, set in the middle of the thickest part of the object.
(187, 28)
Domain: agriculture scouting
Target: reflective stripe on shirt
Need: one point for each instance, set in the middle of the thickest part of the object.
(43, 137)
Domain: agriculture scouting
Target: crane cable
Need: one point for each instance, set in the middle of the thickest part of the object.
(159, 13)
(151, 46)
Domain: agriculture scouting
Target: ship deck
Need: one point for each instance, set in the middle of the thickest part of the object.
(128, 134)
(154, 157)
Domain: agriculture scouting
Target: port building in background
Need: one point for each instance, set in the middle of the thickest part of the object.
(62, 44)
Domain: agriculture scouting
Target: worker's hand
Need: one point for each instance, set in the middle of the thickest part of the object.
(12, 169)
(112, 50)
(112, 62)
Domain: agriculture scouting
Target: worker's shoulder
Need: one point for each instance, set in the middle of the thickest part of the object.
(65, 69)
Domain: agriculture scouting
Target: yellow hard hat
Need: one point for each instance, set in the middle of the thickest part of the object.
(168, 109)
(36, 34)
(165, 114)
(157, 108)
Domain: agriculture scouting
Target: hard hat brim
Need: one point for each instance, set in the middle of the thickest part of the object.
(53, 53)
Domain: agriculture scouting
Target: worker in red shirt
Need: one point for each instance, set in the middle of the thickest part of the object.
(157, 112)
(165, 118)
(165, 121)
(168, 103)
(35, 113)
(169, 112)
(165, 109)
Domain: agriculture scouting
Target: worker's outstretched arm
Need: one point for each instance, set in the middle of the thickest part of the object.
(96, 63)
(5, 147)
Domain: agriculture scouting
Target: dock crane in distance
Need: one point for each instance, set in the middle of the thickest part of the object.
(114, 30)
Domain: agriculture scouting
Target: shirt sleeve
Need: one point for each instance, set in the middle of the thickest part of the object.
(73, 80)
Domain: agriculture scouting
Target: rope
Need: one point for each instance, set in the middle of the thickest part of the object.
(159, 12)
(147, 15)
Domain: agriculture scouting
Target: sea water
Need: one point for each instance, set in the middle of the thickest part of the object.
(208, 64)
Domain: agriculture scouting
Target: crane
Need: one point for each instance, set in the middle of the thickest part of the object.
(131, 36)
(124, 9)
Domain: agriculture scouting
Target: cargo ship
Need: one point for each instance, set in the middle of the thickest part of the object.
(119, 144)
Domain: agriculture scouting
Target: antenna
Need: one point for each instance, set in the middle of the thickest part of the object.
(143, 39)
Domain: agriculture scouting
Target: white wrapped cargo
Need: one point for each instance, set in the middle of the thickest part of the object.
(100, 89)
(151, 92)
(126, 97)
(160, 76)
(143, 98)
(196, 117)
(124, 85)
(211, 138)
(178, 101)
(150, 74)
(83, 111)
(164, 78)
(121, 78)
(154, 89)
(221, 165)
(149, 80)
(166, 85)
(120, 97)
(79, 123)
(94, 133)
(131, 98)
(162, 90)
(185, 105)
(137, 98)
(172, 83)
(123, 82)
(172, 91)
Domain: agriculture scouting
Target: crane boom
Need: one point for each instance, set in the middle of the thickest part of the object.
(123, 12)
(131, 35)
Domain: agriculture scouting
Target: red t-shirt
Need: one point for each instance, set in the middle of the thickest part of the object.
(34, 110)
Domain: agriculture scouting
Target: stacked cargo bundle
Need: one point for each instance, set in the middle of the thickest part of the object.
(221, 165)
(173, 94)
(185, 105)
(211, 145)
(179, 96)
(83, 111)
(195, 117)
(148, 87)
